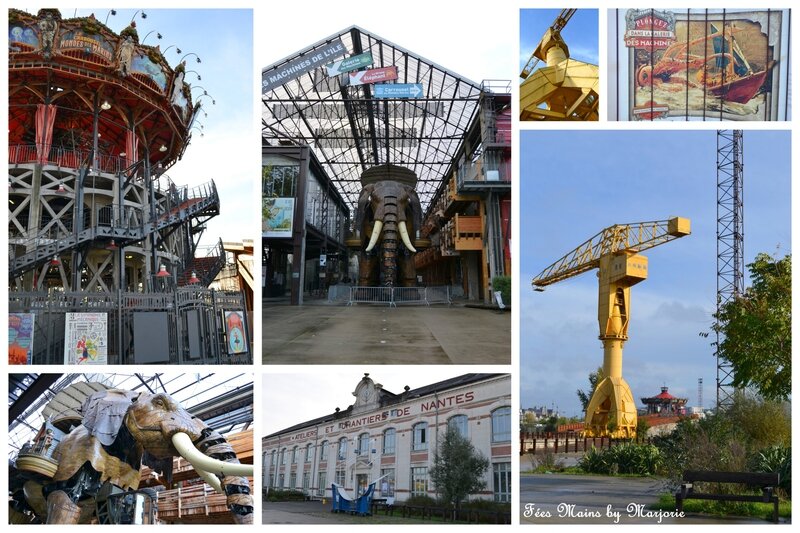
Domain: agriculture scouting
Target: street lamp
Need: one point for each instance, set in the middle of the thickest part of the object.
(111, 12)
(178, 50)
(198, 74)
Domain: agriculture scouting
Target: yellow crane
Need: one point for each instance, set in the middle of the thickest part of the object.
(615, 252)
(565, 89)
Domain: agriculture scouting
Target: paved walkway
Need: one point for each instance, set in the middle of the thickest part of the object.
(319, 513)
(570, 499)
(326, 334)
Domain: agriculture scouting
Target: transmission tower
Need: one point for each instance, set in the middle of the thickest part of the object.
(730, 243)
(700, 393)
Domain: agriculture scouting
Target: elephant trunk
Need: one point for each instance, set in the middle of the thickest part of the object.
(213, 456)
(389, 250)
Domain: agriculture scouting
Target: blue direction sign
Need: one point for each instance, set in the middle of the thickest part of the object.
(398, 90)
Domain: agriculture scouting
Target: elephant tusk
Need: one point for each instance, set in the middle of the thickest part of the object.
(376, 233)
(404, 235)
(211, 479)
(199, 460)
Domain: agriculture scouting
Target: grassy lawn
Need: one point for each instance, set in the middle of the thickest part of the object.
(666, 502)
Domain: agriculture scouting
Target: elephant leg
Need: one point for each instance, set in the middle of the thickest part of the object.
(61, 509)
(408, 272)
(237, 488)
(368, 270)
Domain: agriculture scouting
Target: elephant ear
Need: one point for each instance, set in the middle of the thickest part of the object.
(104, 412)
(416, 207)
(363, 202)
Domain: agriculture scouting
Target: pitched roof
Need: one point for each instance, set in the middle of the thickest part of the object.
(350, 129)
(388, 398)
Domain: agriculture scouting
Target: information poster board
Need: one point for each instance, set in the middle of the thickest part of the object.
(86, 339)
(20, 338)
(235, 330)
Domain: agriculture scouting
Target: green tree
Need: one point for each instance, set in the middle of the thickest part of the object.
(757, 329)
(594, 378)
(458, 468)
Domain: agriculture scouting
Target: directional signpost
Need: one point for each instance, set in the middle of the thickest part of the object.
(398, 90)
(349, 63)
(374, 75)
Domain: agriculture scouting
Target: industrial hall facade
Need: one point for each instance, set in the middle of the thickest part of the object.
(327, 127)
(392, 438)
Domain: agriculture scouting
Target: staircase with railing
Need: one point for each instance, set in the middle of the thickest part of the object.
(205, 268)
(181, 206)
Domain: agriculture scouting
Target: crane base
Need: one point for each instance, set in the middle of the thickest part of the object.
(611, 411)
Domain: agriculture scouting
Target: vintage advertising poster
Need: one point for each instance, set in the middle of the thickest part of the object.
(278, 217)
(234, 327)
(20, 338)
(704, 64)
(86, 339)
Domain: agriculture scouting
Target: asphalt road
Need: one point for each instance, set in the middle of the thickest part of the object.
(570, 499)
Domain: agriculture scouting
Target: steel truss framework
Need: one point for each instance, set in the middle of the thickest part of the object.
(350, 130)
(730, 243)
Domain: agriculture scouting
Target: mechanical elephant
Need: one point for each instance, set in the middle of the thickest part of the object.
(121, 431)
(387, 224)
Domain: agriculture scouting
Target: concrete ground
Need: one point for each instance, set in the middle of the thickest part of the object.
(318, 513)
(328, 334)
(553, 494)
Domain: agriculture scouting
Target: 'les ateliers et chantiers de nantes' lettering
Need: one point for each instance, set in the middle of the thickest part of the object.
(303, 66)
(424, 407)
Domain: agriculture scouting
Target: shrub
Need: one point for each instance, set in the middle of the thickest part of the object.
(547, 462)
(285, 495)
(627, 458)
(503, 284)
(421, 501)
(775, 459)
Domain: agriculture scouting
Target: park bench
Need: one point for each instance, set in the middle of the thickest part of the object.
(766, 481)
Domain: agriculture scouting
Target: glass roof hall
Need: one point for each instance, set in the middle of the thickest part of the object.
(403, 109)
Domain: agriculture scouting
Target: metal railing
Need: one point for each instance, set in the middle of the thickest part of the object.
(67, 158)
(194, 319)
(392, 296)
(339, 293)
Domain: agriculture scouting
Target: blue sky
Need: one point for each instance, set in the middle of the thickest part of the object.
(575, 183)
(580, 33)
(228, 151)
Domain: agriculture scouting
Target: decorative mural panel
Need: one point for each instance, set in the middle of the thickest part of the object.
(142, 65)
(700, 64)
(22, 38)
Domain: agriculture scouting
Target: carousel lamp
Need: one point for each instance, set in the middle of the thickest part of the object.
(54, 262)
(162, 272)
(105, 106)
(194, 279)
(112, 246)
(163, 148)
(123, 154)
(61, 189)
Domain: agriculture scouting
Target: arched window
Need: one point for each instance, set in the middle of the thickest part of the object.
(283, 456)
(460, 424)
(363, 444)
(309, 451)
(342, 452)
(389, 436)
(273, 457)
(501, 424)
(323, 451)
(294, 455)
(420, 437)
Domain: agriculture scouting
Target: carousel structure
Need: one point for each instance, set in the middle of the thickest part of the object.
(96, 119)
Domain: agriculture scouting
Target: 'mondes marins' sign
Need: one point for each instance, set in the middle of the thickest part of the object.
(293, 69)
